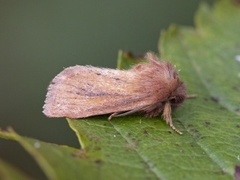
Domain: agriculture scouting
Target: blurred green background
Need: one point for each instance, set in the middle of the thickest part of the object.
(39, 38)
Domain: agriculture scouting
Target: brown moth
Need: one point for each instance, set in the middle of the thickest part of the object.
(151, 87)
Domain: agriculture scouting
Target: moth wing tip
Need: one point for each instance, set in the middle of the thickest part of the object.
(46, 110)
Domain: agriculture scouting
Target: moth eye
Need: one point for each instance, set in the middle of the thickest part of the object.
(177, 99)
(175, 74)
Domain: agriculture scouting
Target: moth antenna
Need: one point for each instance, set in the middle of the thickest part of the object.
(191, 96)
(168, 118)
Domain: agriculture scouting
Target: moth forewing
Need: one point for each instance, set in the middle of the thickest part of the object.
(83, 91)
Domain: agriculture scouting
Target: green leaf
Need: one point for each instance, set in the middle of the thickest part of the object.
(134, 147)
(63, 162)
(208, 59)
(126, 59)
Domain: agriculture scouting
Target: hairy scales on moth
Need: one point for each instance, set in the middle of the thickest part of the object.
(152, 87)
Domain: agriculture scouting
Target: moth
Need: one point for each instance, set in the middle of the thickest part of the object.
(151, 87)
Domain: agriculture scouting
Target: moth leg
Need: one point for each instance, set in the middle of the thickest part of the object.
(167, 111)
(119, 114)
(154, 112)
(112, 115)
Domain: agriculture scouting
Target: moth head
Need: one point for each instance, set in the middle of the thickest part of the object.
(178, 96)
